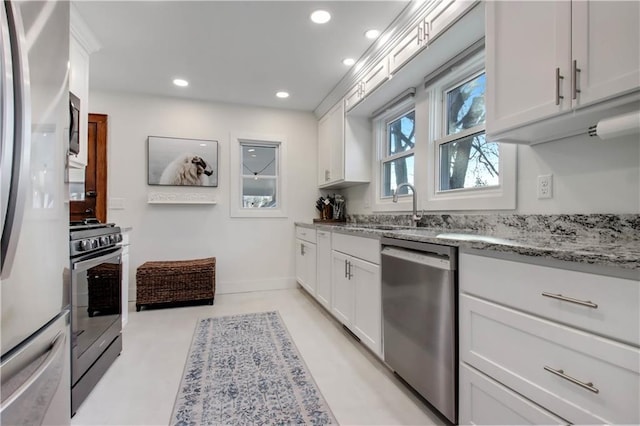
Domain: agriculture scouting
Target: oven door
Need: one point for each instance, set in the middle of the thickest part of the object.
(96, 308)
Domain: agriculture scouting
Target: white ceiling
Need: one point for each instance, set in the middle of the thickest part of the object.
(239, 52)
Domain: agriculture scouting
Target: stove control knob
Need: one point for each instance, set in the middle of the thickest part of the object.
(104, 241)
(118, 237)
(95, 243)
(112, 239)
(84, 245)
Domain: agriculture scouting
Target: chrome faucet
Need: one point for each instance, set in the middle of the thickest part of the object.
(415, 217)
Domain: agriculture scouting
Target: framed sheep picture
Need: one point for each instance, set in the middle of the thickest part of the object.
(182, 162)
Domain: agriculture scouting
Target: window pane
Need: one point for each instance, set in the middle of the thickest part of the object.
(401, 134)
(259, 192)
(396, 172)
(471, 162)
(465, 105)
(258, 160)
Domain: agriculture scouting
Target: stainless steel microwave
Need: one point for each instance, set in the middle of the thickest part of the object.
(74, 124)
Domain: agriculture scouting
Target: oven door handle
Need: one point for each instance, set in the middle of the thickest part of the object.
(95, 261)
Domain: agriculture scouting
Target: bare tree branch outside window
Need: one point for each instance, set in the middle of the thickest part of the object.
(471, 161)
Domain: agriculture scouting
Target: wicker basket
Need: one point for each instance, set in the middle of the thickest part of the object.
(176, 281)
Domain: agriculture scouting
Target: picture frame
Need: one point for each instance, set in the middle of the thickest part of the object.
(182, 162)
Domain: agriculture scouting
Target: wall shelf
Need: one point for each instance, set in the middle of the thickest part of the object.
(180, 198)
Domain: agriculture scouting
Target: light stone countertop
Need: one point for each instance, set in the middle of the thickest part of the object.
(597, 250)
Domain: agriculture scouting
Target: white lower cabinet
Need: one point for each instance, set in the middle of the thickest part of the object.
(306, 265)
(555, 355)
(306, 258)
(323, 265)
(341, 288)
(356, 288)
(484, 401)
(367, 313)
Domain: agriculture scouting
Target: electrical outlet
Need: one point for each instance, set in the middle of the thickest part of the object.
(545, 186)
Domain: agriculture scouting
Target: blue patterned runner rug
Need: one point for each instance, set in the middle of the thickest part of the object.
(244, 369)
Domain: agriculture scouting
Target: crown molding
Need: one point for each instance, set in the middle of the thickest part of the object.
(81, 32)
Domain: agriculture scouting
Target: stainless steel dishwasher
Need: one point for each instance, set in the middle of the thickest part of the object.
(419, 310)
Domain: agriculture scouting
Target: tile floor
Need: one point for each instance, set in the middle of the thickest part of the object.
(140, 387)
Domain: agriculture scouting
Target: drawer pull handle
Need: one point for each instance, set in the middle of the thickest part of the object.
(588, 386)
(587, 303)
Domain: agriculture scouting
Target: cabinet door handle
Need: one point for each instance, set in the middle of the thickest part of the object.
(346, 275)
(587, 303)
(558, 78)
(302, 249)
(576, 70)
(419, 39)
(560, 373)
(426, 32)
(350, 274)
(327, 175)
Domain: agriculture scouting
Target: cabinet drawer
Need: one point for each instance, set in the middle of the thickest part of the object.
(361, 247)
(521, 285)
(515, 349)
(306, 234)
(486, 402)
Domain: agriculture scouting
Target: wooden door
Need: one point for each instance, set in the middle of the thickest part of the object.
(94, 204)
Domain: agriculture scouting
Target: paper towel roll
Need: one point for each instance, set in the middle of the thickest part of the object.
(615, 127)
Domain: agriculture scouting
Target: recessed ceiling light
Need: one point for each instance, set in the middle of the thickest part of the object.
(251, 150)
(372, 34)
(282, 95)
(203, 144)
(348, 61)
(180, 82)
(320, 16)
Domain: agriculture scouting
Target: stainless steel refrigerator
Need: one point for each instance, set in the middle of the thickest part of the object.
(34, 126)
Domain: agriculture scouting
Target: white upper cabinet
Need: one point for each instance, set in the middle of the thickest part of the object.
(344, 149)
(408, 46)
(605, 49)
(377, 75)
(79, 86)
(330, 146)
(545, 59)
(527, 62)
(444, 14)
(437, 19)
(82, 44)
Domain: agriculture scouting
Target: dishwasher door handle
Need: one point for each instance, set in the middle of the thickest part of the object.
(423, 258)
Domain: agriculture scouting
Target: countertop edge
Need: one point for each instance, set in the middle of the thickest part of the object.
(603, 263)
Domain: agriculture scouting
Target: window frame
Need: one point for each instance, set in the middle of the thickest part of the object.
(380, 125)
(236, 204)
(493, 197)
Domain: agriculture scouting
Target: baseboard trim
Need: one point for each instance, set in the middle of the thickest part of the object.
(227, 287)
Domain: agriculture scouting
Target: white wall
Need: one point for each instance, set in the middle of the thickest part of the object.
(251, 254)
(589, 176)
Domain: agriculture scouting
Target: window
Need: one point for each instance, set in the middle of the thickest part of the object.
(467, 159)
(398, 159)
(257, 188)
(394, 159)
(259, 175)
(468, 171)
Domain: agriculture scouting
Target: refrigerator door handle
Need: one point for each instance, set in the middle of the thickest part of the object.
(57, 349)
(21, 140)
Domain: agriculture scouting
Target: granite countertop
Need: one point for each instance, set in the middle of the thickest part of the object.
(596, 250)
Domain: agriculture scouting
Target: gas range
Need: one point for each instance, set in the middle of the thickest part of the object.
(90, 236)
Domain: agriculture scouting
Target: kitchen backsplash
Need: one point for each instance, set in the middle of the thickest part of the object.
(579, 225)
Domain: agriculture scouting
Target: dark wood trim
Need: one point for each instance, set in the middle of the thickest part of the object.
(100, 121)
